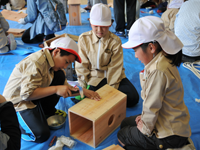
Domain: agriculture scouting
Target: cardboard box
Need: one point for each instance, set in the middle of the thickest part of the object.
(92, 121)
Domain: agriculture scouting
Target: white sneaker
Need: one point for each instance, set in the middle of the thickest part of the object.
(12, 42)
(189, 146)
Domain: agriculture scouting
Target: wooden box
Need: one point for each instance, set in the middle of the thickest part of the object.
(92, 121)
(74, 12)
(48, 42)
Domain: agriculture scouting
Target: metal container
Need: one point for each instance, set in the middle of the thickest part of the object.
(56, 122)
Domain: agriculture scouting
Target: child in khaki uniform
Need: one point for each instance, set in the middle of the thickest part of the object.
(102, 57)
(36, 84)
(164, 122)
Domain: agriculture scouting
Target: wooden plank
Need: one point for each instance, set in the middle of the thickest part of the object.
(74, 15)
(114, 147)
(92, 109)
(74, 37)
(108, 148)
(12, 15)
(74, 2)
(16, 32)
(48, 42)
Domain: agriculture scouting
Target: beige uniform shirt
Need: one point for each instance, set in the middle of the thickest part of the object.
(164, 110)
(169, 17)
(101, 58)
(32, 72)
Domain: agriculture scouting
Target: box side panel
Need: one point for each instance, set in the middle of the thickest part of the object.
(105, 125)
(81, 128)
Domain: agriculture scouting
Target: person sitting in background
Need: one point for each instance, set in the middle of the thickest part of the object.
(10, 134)
(169, 15)
(187, 29)
(6, 42)
(92, 2)
(102, 57)
(41, 13)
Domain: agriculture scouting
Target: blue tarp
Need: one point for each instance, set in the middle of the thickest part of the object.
(132, 68)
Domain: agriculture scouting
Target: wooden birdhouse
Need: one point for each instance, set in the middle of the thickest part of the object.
(92, 121)
(74, 12)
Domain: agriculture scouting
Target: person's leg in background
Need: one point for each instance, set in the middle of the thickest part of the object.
(127, 88)
(104, 1)
(26, 37)
(101, 84)
(131, 13)
(119, 17)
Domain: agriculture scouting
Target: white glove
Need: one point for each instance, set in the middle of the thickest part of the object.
(22, 11)
(59, 146)
(21, 21)
(8, 6)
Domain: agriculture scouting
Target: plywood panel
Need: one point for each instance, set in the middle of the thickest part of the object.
(12, 15)
(114, 147)
(16, 32)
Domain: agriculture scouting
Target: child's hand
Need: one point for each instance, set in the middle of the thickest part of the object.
(21, 21)
(138, 118)
(91, 94)
(64, 90)
(140, 125)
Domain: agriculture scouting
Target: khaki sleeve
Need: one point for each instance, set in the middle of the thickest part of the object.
(115, 67)
(31, 78)
(82, 69)
(153, 97)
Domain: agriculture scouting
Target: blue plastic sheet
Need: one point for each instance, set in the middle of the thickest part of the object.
(132, 68)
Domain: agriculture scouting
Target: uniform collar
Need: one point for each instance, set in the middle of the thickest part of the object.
(95, 39)
(153, 63)
(49, 57)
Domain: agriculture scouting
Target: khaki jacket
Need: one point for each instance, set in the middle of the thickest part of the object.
(169, 17)
(32, 72)
(164, 111)
(101, 58)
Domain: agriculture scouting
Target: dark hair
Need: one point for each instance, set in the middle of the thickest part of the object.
(64, 53)
(176, 59)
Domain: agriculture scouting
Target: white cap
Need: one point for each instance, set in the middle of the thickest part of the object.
(150, 28)
(175, 3)
(100, 15)
(67, 44)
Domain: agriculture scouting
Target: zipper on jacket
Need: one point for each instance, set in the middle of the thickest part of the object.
(99, 49)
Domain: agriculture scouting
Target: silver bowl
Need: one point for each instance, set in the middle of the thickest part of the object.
(56, 122)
